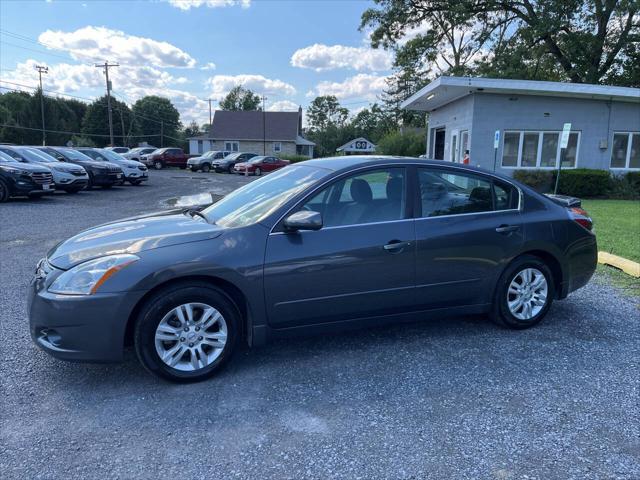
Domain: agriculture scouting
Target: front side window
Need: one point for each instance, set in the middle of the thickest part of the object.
(374, 196)
(625, 151)
(444, 193)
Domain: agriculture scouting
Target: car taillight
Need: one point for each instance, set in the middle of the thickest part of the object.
(581, 216)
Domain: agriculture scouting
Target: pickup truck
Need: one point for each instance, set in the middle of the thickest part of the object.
(166, 157)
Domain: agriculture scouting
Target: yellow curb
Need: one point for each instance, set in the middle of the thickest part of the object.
(627, 266)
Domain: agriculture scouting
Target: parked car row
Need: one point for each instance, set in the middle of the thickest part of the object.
(36, 170)
(235, 162)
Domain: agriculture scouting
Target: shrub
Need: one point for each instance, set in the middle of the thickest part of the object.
(293, 158)
(633, 179)
(409, 144)
(579, 182)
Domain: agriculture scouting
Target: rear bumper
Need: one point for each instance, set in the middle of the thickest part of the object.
(582, 260)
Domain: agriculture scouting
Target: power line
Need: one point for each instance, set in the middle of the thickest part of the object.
(50, 91)
(20, 127)
(46, 45)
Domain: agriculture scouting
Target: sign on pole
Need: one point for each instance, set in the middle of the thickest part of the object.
(496, 142)
(564, 139)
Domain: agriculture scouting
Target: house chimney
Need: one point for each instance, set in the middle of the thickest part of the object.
(300, 120)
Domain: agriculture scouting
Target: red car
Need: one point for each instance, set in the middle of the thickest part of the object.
(166, 157)
(259, 165)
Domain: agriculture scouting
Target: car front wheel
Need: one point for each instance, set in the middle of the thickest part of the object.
(524, 293)
(206, 167)
(157, 165)
(4, 192)
(187, 333)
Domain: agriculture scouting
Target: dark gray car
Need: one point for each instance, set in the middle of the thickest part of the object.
(320, 245)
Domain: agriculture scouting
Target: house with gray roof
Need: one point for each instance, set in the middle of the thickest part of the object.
(262, 133)
(509, 124)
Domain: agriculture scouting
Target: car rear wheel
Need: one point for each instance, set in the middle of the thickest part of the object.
(187, 333)
(524, 293)
(258, 172)
(157, 165)
(206, 168)
(4, 192)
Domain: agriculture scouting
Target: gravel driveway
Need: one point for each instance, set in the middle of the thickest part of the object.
(443, 399)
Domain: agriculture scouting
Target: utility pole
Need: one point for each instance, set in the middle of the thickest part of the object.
(41, 70)
(264, 127)
(210, 117)
(106, 66)
(161, 133)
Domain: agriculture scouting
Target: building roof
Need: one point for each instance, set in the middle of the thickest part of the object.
(255, 125)
(303, 141)
(351, 146)
(444, 90)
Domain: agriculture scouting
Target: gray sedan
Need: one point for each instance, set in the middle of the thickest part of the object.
(318, 246)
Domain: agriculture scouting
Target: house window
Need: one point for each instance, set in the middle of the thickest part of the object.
(199, 146)
(277, 147)
(531, 149)
(625, 152)
(454, 147)
(232, 146)
(464, 144)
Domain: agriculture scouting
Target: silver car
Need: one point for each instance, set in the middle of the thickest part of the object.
(134, 172)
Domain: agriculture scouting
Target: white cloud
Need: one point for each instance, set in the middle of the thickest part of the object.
(283, 106)
(208, 66)
(363, 85)
(321, 57)
(221, 84)
(189, 4)
(100, 44)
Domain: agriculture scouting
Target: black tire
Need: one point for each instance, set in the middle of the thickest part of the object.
(135, 182)
(106, 187)
(72, 190)
(258, 172)
(206, 168)
(501, 314)
(90, 182)
(163, 302)
(230, 169)
(4, 192)
(158, 165)
(183, 167)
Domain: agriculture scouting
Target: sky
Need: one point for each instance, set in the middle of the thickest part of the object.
(193, 50)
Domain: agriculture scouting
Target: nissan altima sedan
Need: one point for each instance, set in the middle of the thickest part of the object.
(318, 246)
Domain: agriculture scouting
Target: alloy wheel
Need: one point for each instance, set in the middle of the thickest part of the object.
(191, 337)
(527, 293)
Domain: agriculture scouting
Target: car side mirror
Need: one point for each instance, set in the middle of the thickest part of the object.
(303, 220)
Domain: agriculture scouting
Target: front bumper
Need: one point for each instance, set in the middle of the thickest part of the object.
(65, 181)
(29, 187)
(80, 328)
(136, 174)
(107, 178)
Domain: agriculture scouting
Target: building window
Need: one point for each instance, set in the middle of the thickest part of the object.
(199, 146)
(625, 152)
(232, 146)
(277, 147)
(531, 149)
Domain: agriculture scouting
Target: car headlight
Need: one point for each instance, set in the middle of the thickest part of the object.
(17, 171)
(86, 278)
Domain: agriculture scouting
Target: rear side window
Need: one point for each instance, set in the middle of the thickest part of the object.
(445, 193)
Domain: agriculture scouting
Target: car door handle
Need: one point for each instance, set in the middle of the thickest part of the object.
(394, 246)
(507, 228)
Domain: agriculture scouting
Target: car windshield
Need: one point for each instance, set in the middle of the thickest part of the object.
(258, 199)
(74, 154)
(233, 156)
(209, 154)
(4, 158)
(33, 155)
(111, 155)
(11, 153)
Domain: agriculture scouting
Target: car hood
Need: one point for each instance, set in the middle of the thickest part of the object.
(28, 167)
(132, 235)
(129, 163)
(64, 167)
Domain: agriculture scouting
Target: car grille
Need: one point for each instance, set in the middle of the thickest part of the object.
(42, 178)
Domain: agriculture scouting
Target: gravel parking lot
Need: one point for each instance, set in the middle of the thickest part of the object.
(459, 398)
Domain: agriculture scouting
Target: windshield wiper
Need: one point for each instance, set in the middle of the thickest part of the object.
(193, 212)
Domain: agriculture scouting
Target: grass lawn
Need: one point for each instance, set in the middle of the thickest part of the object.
(617, 226)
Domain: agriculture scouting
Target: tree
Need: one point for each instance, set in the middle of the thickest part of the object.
(95, 123)
(240, 98)
(373, 123)
(192, 130)
(586, 41)
(324, 112)
(156, 120)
